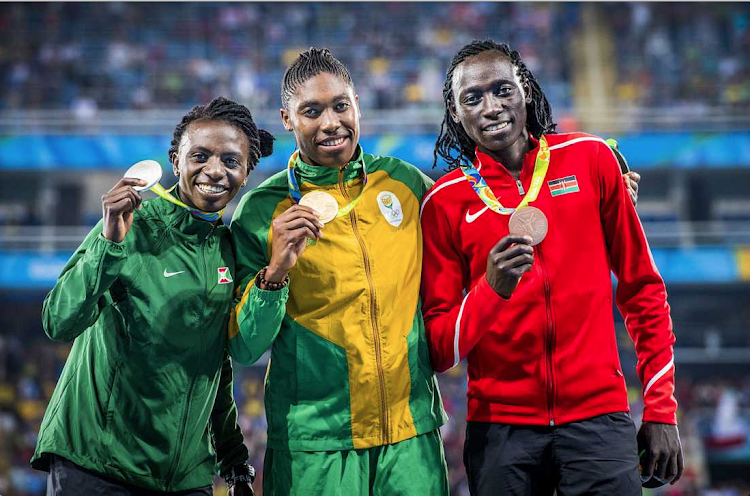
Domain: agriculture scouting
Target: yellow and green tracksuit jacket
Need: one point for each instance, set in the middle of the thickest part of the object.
(349, 364)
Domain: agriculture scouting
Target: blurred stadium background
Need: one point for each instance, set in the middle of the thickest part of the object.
(87, 89)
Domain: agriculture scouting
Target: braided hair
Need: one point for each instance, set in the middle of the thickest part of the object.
(453, 144)
(224, 110)
(309, 63)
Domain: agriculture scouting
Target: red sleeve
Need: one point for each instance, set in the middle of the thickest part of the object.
(454, 321)
(641, 295)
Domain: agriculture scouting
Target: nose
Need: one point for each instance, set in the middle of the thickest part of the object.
(491, 106)
(330, 122)
(214, 168)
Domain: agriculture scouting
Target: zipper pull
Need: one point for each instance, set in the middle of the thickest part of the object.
(520, 187)
(210, 231)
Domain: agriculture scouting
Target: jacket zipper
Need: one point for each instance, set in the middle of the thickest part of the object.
(183, 424)
(373, 309)
(520, 187)
(550, 341)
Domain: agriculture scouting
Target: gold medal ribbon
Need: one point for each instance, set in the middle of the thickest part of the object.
(296, 193)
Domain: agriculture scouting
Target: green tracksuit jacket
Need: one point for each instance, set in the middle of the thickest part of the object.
(146, 393)
(350, 368)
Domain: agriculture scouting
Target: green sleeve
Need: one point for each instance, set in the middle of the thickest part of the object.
(73, 304)
(257, 314)
(226, 432)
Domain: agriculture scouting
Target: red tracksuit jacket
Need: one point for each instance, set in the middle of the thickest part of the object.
(548, 354)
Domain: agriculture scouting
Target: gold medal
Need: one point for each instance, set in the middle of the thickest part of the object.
(324, 204)
(529, 221)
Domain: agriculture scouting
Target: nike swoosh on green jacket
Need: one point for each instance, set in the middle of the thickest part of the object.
(145, 396)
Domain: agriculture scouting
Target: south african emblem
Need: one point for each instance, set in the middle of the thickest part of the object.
(390, 207)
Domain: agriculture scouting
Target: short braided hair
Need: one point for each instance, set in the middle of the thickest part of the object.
(225, 110)
(309, 63)
(453, 144)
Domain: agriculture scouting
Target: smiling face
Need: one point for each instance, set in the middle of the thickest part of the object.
(324, 115)
(489, 101)
(211, 164)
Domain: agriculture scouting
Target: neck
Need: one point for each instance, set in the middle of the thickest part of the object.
(512, 157)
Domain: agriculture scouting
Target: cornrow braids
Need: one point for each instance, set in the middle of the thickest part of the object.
(453, 144)
(309, 63)
(225, 110)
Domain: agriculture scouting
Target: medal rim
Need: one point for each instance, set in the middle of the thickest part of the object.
(534, 242)
(328, 197)
(152, 174)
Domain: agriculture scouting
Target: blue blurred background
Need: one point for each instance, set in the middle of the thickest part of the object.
(87, 89)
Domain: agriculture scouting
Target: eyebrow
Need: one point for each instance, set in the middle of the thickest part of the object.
(478, 88)
(309, 103)
(199, 148)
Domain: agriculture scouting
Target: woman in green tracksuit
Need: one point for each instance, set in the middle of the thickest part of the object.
(144, 404)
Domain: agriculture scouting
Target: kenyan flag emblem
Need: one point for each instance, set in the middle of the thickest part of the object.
(563, 186)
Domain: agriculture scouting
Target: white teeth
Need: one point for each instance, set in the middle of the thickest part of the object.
(210, 189)
(335, 142)
(496, 127)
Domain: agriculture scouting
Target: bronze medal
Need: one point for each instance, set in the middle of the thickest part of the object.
(324, 204)
(529, 221)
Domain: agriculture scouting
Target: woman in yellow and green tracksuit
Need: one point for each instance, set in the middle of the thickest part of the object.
(352, 403)
(144, 404)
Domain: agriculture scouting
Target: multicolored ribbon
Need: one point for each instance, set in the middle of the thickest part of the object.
(296, 193)
(537, 180)
(200, 214)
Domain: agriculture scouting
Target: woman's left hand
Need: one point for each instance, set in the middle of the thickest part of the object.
(631, 180)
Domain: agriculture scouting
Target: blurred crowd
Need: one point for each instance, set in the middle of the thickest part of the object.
(713, 420)
(90, 56)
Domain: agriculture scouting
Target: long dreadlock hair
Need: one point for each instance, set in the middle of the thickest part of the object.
(453, 144)
(224, 110)
(309, 63)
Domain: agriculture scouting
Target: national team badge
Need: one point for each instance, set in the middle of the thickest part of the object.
(390, 207)
(224, 276)
(563, 186)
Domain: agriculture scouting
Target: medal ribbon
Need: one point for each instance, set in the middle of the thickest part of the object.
(537, 180)
(200, 214)
(296, 194)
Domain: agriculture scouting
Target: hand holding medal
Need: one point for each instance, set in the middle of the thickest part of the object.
(290, 232)
(119, 202)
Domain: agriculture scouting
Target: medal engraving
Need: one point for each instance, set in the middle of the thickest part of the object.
(323, 203)
(529, 221)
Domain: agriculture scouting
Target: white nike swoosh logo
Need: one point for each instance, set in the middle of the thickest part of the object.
(170, 274)
(472, 217)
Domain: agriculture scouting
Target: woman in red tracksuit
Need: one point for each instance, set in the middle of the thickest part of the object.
(547, 403)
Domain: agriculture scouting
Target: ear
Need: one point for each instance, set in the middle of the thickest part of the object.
(244, 183)
(286, 119)
(452, 111)
(527, 92)
(176, 165)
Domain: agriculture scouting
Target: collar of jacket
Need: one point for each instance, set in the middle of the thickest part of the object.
(322, 175)
(180, 219)
(484, 161)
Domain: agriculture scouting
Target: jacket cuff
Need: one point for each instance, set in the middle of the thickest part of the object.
(658, 417)
(267, 295)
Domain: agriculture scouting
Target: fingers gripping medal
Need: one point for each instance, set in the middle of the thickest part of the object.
(324, 205)
(148, 170)
(529, 221)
